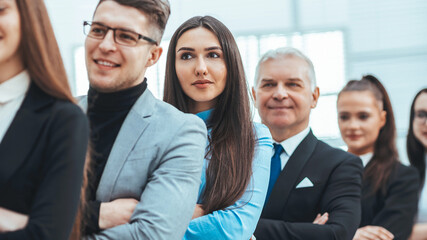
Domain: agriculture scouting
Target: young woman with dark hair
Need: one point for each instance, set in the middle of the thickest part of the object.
(205, 76)
(389, 192)
(416, 148)
(43, 134)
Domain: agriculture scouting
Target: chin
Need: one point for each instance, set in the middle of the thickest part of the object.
(101, 86)
(280, 123)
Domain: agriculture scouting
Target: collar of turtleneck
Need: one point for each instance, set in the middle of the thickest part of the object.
(115, 101)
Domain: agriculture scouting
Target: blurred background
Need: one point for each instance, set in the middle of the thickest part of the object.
(345, 39)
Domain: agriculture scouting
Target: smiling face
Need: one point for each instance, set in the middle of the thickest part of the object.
(112, 67)
(420, 121)
(10, 38)
(200, 68)
(360, 120)
(283, 96)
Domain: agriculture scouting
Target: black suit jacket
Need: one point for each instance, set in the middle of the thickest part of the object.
(337, 179)
(396, 208)
(41, 165)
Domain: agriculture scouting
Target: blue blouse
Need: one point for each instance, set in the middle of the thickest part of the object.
(239, 220)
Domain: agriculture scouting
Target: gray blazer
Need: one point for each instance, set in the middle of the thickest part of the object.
(157, 158)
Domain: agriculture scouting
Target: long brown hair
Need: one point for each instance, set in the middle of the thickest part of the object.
(385, 157)
(40, 52)
(42, 59)
(232, 140)
(414, 148)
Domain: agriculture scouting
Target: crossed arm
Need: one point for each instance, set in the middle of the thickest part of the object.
(396, 218)
(341, 200)
(55, 202)
(167, 202)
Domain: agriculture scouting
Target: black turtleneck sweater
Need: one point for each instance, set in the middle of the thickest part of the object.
(106, 113)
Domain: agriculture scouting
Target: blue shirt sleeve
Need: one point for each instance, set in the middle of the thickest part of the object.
(239, 220)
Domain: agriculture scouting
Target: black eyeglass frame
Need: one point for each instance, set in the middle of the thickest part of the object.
(140, 36)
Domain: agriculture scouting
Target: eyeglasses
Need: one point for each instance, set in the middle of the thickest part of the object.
(421, 116)
(121, 36)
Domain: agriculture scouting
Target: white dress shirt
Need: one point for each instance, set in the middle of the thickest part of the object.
(12, 94)
(422, 204)
(366, 158)
(290, 144)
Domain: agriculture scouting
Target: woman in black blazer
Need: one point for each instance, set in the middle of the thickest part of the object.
(416, 148)
(43, 134)
(390, 189)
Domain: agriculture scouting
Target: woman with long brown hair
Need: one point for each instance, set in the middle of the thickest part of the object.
(205, 76)
(416, 148)
(43, 134)
(390, 189)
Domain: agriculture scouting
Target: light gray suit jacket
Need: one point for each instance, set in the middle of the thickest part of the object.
(157, 159)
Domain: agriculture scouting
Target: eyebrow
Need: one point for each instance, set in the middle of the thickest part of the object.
(192, 49)
(295, 80)
(119, 28)
(267, 80)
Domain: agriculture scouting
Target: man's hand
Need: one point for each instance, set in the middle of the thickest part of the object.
(116, 212)
(321, 219)
(198, 211)
(373, 232)
(419, 232)
(12, 221)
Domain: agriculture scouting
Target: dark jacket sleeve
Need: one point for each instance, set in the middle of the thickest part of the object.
(400, 205)
(55, 203)
(92, 217)
(341, 199)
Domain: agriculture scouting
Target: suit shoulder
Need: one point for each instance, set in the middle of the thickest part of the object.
(67, 115)
(68, 109)
(335, 154)
(407, 172)
(406, 169)
(170, 114)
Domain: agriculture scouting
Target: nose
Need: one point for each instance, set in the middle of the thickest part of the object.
(280, 92)
(201, 67)
(108, 44)
(353, 124)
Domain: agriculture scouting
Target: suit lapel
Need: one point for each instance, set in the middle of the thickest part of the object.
(288, 177)
(132, 128)
(22, 135)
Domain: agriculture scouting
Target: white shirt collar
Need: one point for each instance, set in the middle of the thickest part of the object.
(292, 143)
(366, 158)
(15, 87)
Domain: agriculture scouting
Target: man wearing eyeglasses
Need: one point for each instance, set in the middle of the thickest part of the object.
(146, 156)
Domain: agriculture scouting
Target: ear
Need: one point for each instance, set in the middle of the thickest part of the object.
(254, 95)
(155, 53)
(383, 118)
(315, 97)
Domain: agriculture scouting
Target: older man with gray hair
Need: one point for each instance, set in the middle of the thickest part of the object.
(314, 189)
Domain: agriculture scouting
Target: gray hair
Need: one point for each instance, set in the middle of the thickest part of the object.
(283, 53)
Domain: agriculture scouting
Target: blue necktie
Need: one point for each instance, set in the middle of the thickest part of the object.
(275, 169)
